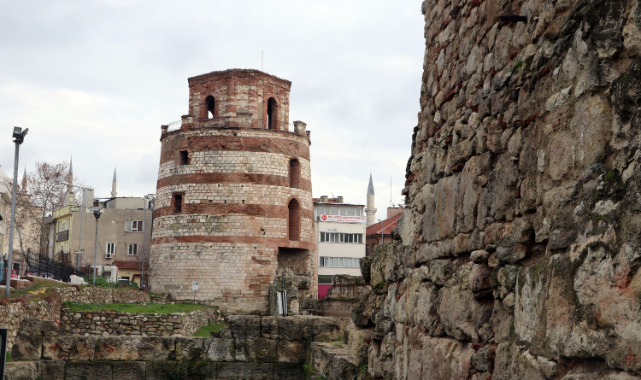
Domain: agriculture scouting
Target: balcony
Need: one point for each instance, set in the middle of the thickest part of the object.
(240, 121)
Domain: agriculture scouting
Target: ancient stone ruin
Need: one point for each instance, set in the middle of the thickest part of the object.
(518, 254)
(234, 201)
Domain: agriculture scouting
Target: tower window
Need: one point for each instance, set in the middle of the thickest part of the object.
(294, 220)
(184, 158)
(294, 174)
(272, 113)
(178, 203)
(210, 102)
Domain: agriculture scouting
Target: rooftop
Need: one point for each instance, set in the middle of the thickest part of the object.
(389, 225)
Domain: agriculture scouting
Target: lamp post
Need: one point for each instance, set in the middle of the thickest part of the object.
(18, 138)
(96, 213)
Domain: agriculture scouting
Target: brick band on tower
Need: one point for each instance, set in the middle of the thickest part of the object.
(234, 194)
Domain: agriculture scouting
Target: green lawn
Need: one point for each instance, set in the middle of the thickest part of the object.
(151, 308)
(205, 331)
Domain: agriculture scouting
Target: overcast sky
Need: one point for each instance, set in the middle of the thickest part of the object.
(97, 79)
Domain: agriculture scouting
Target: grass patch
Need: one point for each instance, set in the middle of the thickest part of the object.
(9, 357)
(151, 308)
(205, 331)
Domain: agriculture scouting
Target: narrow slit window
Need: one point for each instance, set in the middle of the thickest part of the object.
(184, 157)
(178, 203)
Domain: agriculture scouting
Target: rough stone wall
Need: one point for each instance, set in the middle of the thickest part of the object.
(236, 191)
(517, 256)
(12, 314)
(343, 296)
(109, 322)
(251, 347)
(91, 294)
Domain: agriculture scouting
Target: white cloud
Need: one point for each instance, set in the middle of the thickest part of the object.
(97, 79)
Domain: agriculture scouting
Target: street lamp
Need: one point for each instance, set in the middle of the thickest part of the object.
(18, 138)
(96, 213)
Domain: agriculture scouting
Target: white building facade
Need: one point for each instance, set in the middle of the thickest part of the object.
(340, 237)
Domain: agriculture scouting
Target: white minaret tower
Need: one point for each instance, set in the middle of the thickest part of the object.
(113, 185)
(370, 210)
(70, 199)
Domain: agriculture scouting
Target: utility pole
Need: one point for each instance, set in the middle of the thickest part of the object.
(82, 213)
(18, 138)
(96, 213)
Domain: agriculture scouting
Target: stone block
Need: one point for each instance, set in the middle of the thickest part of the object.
(290, 328)
(263, 371)
(21, 371)
(191, 349)
(156, 348)
(288, 371)
(202, 370)
(166, 370)
(330, 328)
(291, 351)
(129, 370)
(234, 371)
(266, 350)
(220, 350)
(269, 328)
(94, 370)
(28, 342)
(244, 326)
(52, 369)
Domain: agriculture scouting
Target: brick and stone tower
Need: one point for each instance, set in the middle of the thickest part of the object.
(234, 194)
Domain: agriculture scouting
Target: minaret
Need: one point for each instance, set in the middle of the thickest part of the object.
(70, 176)
(370, 210)
(70, 199)
(24, 180)
(113, 185)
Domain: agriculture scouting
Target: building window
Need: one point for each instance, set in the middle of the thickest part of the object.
(210, 103)
(339, 262)
(133, 249)
(178, 203)
(294, 220)
(294, 174)
(134, 226)
(337, 237)
(184, 158)
(272, 113)
(110, 251)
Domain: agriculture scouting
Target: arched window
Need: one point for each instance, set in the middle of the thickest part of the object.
(294, 220)
(272, 114)
(294, 174)
(210, 102)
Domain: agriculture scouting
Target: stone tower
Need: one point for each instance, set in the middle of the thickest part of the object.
(234, 194)
(370, 210)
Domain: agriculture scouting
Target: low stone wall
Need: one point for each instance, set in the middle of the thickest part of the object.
(48, 308)
(109, 322)
(250, 347)
(342, 297)
(102, 295)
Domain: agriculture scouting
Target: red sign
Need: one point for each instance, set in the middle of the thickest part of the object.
(343, 218)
